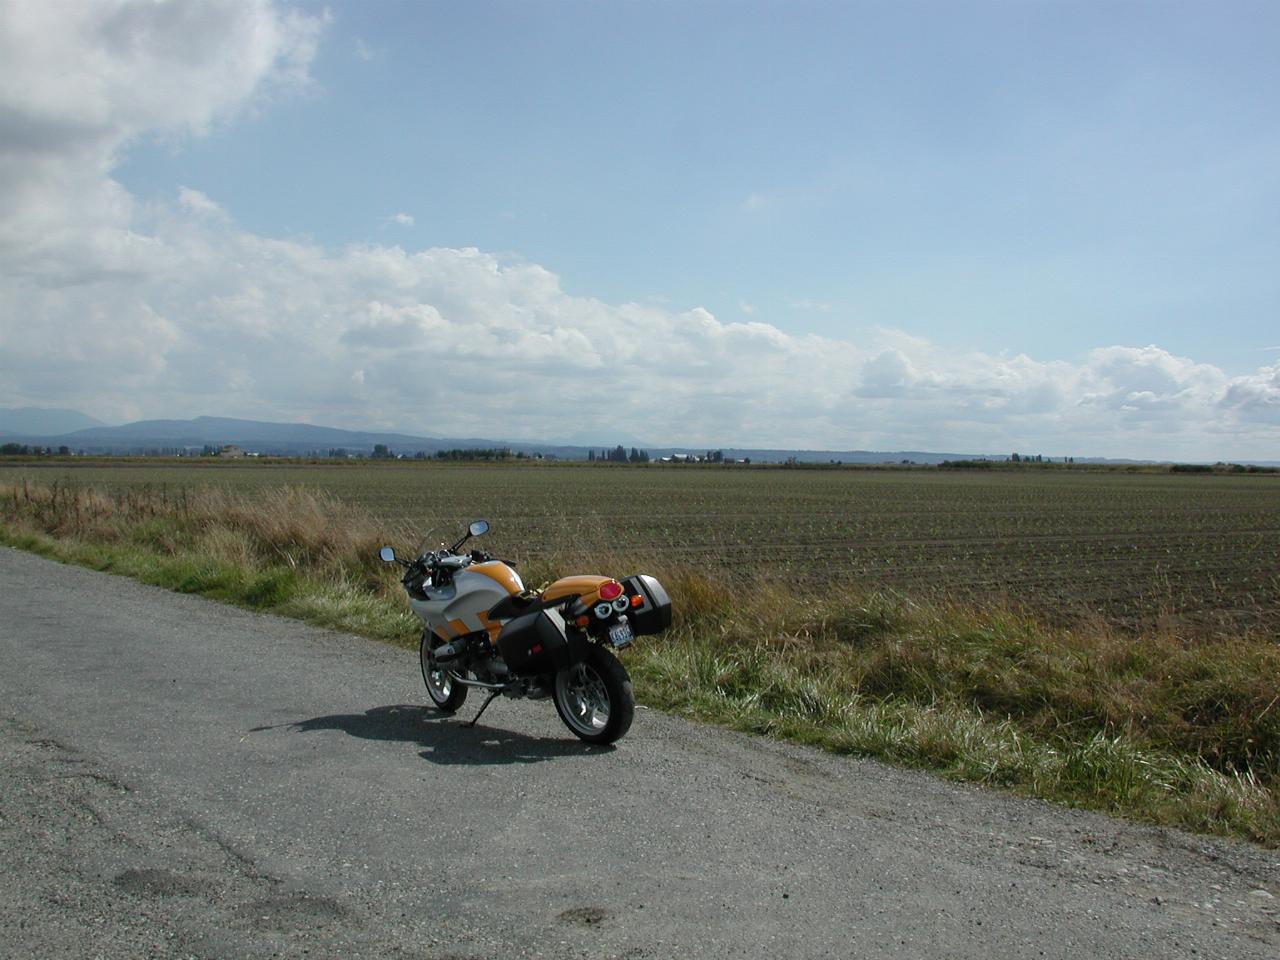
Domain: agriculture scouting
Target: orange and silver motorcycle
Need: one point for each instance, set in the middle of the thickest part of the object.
(485, 630)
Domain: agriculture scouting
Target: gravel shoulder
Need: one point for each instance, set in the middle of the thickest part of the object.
(184, 779)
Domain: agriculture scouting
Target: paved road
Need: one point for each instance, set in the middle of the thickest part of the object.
(184, 779)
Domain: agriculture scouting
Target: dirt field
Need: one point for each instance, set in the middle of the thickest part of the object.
(1131, 547)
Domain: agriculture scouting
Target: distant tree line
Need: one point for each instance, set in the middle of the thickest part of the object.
(1245, 468)
(23, 450)
(619, 455)
(1016, 457)
(477, 453)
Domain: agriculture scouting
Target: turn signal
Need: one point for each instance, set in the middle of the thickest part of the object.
(610, 590)
(637, 601)
(583, 620)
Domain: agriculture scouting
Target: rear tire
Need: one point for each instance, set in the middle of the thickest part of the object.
(594, 697)
(445, 692)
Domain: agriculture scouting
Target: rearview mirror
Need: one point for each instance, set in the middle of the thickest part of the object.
(478, 527)
(387, 554)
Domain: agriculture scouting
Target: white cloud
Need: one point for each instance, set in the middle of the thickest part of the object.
(198, 203)
(400, 219)
(79, 81)
(887, 374)
(1256, 397)
(127, 310)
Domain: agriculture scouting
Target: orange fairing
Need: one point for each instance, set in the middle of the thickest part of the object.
(588, 588)
(500, 572)
(459, 628)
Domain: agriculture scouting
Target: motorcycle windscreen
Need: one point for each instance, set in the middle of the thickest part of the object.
(534, 643)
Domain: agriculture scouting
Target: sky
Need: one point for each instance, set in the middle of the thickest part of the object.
(1051, 227)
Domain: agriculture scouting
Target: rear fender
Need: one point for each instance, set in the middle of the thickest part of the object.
(585, 588)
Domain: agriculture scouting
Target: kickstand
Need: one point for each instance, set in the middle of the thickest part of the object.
(485, 706)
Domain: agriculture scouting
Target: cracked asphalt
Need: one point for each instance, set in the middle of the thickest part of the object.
(184, 779)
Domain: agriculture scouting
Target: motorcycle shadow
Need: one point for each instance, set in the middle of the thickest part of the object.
(446, 739)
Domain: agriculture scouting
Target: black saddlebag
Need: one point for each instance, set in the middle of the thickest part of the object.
(534, 643)
(653, 615)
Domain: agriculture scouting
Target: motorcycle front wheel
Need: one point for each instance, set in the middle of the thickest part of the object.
(444, 692)
(594, 697)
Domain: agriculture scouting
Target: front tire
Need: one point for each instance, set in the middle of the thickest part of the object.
(594, 697)
(445, 692)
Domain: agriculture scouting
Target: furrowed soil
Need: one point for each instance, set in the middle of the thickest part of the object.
(1195, 552)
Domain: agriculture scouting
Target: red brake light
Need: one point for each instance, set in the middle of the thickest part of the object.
(610, 590)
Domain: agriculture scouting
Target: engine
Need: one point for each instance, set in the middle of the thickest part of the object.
(472, 652)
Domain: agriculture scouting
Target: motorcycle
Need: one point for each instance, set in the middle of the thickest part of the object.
(484, 630)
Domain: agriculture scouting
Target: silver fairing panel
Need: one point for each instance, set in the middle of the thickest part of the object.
(464, 603)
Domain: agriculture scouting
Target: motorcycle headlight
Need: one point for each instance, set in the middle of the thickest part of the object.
(603, 610)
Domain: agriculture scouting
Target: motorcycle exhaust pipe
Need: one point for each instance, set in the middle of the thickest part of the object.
(482, 684)
(450, 651)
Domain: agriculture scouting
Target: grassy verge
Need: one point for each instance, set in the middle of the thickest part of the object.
(1157, 726)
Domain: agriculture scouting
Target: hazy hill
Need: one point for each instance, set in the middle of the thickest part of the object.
(252, 435)
(81, 432)
(284, 439)
(34, 421)
(256, 436)
(224, 430)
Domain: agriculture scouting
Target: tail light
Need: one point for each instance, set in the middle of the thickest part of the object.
(610, 590)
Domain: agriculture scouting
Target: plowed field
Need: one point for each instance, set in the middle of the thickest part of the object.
(1132, 548)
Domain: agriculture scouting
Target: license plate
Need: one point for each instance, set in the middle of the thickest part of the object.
(620, 634)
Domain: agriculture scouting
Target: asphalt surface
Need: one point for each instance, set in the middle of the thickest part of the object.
(184, 779)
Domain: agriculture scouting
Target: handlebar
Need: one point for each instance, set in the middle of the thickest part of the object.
(479, 556)
(447, 560)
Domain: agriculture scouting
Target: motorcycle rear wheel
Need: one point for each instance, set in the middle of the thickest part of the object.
(594, 697)
(445, 692)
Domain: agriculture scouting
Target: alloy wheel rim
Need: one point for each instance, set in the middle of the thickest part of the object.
(439, 685)
(585, 698)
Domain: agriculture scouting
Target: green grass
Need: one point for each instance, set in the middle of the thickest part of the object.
(1161, 724)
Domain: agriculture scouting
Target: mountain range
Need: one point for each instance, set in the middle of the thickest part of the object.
(82, 433)
(79, 432)
(35, 422)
